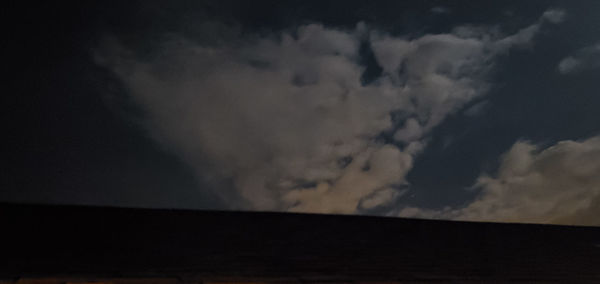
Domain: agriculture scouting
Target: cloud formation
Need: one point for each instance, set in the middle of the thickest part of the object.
(286, 118)
(559, 184)
(583, 59)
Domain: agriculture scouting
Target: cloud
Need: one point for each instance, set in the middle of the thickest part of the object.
(477, 109)
(440, 10)
(583, 59)
(383, 196)
(524, 36)
(559, 184)
(386, 166)
(285, 117)
(410, 132)
(554, 16)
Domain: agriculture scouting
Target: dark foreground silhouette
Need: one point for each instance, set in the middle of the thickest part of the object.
(195, 246)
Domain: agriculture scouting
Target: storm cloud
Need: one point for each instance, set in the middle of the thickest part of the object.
(287, 117)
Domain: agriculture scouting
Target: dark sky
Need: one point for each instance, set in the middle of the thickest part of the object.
(79, 133)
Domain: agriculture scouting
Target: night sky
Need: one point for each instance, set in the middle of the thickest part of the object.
(469, 110)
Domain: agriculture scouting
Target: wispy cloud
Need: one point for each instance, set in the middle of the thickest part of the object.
(440, 10)
(583, 59)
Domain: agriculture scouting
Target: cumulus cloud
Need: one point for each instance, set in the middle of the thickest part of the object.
(583, 59)
(559, 184)
(286, 118)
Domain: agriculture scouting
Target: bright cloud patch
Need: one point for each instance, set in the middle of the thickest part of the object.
(286, 118)
(559, 184)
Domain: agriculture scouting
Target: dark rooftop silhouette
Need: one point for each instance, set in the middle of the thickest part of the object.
(52, 241)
